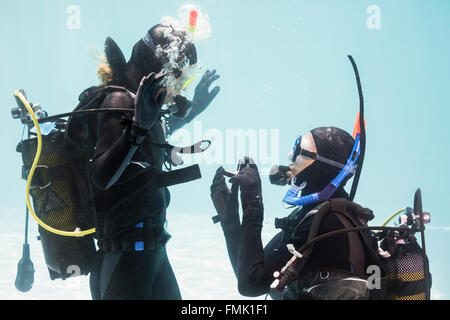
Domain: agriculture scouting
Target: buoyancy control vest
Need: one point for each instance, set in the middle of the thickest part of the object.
(61, 187)
(310, 281)
(399, 274)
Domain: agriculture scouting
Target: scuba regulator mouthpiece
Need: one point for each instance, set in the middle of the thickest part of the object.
(278, 175)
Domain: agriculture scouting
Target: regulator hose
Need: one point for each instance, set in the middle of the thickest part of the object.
(31, 173)
(396, 213)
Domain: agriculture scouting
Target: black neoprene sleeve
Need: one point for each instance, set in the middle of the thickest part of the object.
(113, 149)
(257, 264)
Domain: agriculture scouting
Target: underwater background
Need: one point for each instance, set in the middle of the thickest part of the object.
(284, 71)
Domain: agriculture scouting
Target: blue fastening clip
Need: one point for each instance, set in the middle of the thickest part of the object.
(139, 246)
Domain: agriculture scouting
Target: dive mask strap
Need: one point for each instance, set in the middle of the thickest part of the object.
(148, 40)
(299, 151)
(293, 195)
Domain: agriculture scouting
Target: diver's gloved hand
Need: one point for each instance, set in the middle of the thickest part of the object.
(225, 200)
(149, 100)
(183, 107)
(250, 184)
(202, 97)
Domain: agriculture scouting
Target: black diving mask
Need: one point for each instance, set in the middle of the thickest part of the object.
(309, 155)
(186, 51)
(278, 173)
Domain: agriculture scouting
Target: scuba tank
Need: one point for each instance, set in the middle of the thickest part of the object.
(56, 197)
(404, 259)
(395, 251)
(60, 187)
(56, 202)
(56, 164)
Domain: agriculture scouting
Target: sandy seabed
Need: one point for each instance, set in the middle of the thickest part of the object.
(196, 251)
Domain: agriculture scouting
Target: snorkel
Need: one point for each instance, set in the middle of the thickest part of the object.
(293, 196)
(193, 15)
(192, 27)
(360, 128)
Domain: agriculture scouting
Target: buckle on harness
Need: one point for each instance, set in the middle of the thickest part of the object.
(139, 245)
(294, 252)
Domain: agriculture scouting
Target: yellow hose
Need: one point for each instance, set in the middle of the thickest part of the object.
(393, 216)
(31, 173)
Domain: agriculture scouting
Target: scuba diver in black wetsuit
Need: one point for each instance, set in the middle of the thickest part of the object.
(303, 261)
(132, 262)
(253, 265)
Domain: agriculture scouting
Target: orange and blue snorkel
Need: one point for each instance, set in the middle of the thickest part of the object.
(293, 196)
(361, 129)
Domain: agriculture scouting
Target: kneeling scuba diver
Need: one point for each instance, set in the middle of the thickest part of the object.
(115, 142)
(325, 246)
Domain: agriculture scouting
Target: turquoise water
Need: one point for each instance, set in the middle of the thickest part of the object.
(284, 71)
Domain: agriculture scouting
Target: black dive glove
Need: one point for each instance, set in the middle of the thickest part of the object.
(202, 97)
(183, 107)
(149, 100)
(249, 182)
(225, 200)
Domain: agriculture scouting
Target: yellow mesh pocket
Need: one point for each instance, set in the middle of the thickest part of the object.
(419, 296)
(54, 203)
(406, 275)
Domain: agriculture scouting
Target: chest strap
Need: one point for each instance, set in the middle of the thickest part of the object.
(148, 179)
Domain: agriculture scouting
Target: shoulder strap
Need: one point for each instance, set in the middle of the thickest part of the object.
(319, 212)
(356, 254)
(295, 266)
(308, 215)
(90, 96)
(360, 216)
(353, 214)
(80, 131)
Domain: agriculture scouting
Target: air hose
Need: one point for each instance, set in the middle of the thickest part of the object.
(393, 216)
(31, 173)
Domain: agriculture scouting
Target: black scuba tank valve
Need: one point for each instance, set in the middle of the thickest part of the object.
(21, 112)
